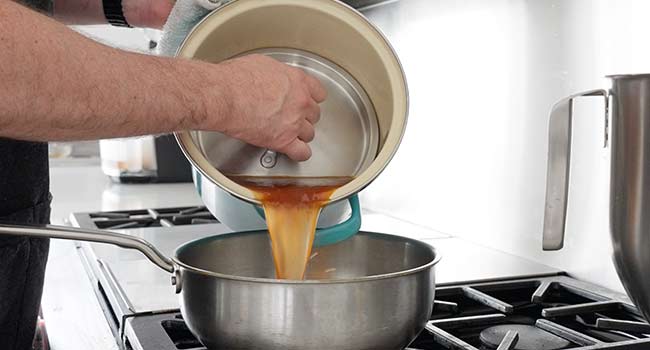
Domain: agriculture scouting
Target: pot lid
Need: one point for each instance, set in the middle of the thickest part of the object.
(347, 135)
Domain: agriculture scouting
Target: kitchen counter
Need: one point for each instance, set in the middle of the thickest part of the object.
(78, 188)
(73, 316)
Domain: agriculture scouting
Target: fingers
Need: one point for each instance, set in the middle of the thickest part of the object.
(313, 116)
(307, 132)
(316, 89)
(297, 150)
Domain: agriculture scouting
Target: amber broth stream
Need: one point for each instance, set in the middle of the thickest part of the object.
(292, 206)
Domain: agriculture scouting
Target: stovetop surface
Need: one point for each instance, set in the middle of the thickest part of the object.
(531, 314)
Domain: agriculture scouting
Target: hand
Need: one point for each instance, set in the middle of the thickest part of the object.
(270, 105)
(147, 13)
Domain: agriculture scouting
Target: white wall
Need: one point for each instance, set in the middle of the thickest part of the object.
(483, 76)
(132, 39)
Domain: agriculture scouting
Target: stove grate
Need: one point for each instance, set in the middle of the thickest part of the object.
(577, 315)
(162, 217)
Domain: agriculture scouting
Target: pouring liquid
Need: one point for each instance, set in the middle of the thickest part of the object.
(292, 206)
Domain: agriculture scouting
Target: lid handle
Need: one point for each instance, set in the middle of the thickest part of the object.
(269, 159)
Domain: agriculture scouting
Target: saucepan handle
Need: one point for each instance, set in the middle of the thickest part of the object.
(118, 239)
(559, 160)
(341, 232)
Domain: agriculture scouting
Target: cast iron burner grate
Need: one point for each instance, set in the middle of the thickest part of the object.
(566, 316)
(179, 334)
(162, 217)
(521, 337)
(543, 314)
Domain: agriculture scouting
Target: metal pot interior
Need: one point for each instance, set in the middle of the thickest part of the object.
(366, 255)
(348, 132)
(325, 28)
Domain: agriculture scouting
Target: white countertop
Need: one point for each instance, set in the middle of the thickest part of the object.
(73, 315)
(86, 188)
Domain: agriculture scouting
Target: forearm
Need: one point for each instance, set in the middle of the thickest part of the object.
(58, 85)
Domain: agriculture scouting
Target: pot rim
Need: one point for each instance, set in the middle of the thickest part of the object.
(357, 184)
(628, 76)
(199, 241)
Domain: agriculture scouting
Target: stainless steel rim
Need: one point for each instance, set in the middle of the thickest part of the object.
(430, 264)
(629, 76)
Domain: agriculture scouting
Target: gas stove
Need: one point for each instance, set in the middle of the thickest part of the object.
(548, 313)
(528, 306)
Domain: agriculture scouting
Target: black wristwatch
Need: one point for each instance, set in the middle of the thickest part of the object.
(114, 13)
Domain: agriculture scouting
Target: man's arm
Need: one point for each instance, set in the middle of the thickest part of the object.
(58, 85)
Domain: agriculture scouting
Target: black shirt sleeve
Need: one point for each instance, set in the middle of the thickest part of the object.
(43, 6)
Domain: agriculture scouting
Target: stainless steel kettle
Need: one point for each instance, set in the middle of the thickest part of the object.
(629, 99)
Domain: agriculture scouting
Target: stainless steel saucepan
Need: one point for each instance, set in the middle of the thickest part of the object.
(372, 291)
(627, 105)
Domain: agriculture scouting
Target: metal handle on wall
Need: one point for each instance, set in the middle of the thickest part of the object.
(71, 233)
(559, 161)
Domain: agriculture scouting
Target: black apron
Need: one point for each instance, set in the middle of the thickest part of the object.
(24, 198)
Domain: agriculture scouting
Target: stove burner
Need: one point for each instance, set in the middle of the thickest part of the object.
(530, 337)
(161, 217)
(180, 334)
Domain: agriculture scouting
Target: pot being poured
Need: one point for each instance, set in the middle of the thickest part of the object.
(362, 121)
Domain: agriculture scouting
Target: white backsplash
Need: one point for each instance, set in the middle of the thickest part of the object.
(483, 76)
(132, 39)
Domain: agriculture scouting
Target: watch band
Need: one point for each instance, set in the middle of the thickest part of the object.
(114, 13)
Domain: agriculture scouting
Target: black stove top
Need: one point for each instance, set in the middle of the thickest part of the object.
(547, 313)
(532, 314)
(161, 217)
